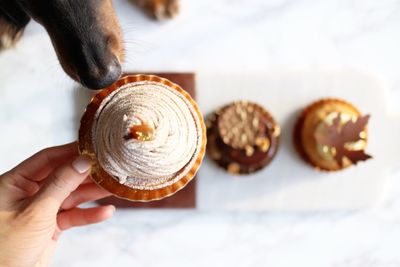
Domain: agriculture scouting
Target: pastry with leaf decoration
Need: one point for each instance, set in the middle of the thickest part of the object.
(146, 138)
(242, 137)
(331, 135)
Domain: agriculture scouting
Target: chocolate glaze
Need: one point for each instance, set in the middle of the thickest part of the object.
(238, 161)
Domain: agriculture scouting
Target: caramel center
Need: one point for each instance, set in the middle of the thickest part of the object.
(142, 132)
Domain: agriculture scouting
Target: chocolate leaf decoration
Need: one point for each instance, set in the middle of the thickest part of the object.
(357, 155)
(336, 136)
(352, 129)
(330, 134)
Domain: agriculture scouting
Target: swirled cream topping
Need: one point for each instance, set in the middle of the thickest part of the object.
(154, 158)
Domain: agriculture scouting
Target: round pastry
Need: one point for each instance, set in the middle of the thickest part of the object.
(242, 137)
(146, 137)
(331, 135)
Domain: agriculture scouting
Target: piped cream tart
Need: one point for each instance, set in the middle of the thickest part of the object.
(146, 137)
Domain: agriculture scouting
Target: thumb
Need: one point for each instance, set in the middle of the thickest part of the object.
(62, 182)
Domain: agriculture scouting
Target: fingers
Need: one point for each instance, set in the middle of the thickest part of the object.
(40, 165)
(79, 217)
(62, 182)
(84, 193)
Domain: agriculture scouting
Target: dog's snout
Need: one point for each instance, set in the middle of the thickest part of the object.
(99, 78)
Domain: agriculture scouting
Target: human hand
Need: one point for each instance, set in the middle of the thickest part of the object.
(39, 199)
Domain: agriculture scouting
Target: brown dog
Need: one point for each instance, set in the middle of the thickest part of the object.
(86, 34)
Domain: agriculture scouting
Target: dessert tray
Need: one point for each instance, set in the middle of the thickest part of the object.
(288, 184)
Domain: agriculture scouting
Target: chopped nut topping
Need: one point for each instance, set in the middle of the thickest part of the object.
(277, 131)
(263, 144)
(233, 168)
(240, 125)
(249, 151)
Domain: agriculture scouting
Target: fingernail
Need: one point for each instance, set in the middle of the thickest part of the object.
(81, 164)
(113, 208)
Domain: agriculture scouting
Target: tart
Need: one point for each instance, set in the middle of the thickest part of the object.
(242, 137)
(145, 136)
(331, 135)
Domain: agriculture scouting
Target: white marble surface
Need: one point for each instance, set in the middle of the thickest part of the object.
(218, 35)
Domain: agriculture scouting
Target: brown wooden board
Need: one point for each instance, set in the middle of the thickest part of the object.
(185, 198)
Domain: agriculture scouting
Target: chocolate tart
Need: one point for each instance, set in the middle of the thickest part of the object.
(101, 124)
(242, 137)
(331, 134)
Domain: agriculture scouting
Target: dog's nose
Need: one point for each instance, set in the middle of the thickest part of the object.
(97, 78)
